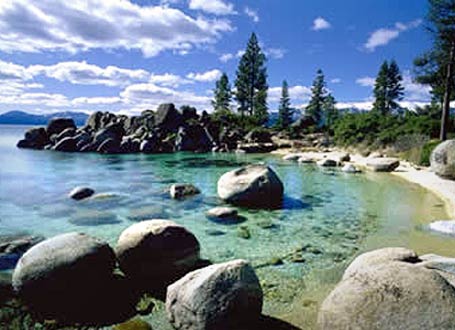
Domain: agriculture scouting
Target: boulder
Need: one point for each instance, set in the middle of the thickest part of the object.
(156, 252)
(383, 164)
(349, 168)
(109, 146)
(193, 138)
(129, 145)
(113, 131)
(326, 162)
(12, 247)
(35, 138)
(442, 160)
(79, 193)
(258, 136)
(93, 218)
(305, 160)
(222, 212)
(181, 190)
(253, 185)
(150, 145)
(291, 157)
(218, 297)
(70, 278)
(390, 289)
(68, 132)
(68, 144)
(58, 125)
(167, 117)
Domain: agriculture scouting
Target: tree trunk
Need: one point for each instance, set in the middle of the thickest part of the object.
(447, 94)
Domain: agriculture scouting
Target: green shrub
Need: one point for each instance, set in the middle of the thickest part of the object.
(427, 149)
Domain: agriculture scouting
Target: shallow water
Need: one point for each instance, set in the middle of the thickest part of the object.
(328, 216)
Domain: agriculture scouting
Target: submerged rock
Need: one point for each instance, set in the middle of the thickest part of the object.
(443, 159)
(390, 289)
(220, 213)
(12, 247)
(252, 185)
(79, 193)
(156, 252)
(383, 164)
(148, 212)
(218, 297)
(93, 218)
(181, 190)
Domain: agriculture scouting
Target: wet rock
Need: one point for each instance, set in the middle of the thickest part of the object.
(326, 162)
(58, 125)
(68, 132)
(219, 297)
(222, 213)
(389, 289)
(114, 131)
(150, 145)
(291, 157)
(181, 190)
(253, 185)
(215, 232)
(266, 224)
(70, 278)
(68, 144)
(35, 138)
(147, 213)
(349, 168)
(12, 247)
(443, 159)
(383, 164)
(109, 146)
(79, 193)
(244, 232)
(93, 218)
(156, 252)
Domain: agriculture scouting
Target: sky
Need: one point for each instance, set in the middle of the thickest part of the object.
(125, 56)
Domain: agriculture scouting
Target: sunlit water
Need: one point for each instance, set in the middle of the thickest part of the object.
(327, 218)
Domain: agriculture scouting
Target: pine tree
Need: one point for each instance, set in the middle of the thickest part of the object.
(388, 89)
(222, 94)
(315, 107)
(330, 111)
(251, 82)
(380, 89)
(395, 89)
(284, 109)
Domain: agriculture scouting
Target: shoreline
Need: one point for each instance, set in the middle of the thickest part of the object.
(422, 176)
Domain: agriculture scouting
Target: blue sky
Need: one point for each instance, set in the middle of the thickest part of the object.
(126, 56)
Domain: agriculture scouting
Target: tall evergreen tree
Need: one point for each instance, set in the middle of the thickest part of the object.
(251, 82)
(315, 108)
(388, 88)
(222, 94)
(284, 109)
(380, 89)
(437, 67)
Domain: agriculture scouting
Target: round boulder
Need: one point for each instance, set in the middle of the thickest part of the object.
(79, 193)
(383, 164)
(70, 278)
(181, 190)
(443, 160)
(253, 185)
(156, 252)
(389, 289)
(217, 297)
(58, 125)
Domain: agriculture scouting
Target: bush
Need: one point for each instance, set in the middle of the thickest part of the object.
(427, 149)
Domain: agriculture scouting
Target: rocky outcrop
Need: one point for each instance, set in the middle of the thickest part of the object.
(254, 185)
(383, 164)
(70, 278)
(182, 190)
(218, 297)
(156, 252)
(443, 160)
(392, 288)
(35, 138)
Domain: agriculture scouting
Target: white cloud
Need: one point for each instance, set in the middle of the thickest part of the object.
(79, 25)
(251, 13)
(10, 71)
(207, 76)
(100, 100)
(335, 80)
(168, 80)
(366, 81)
(297, 94)
(383, 36)
(275, 53)
(226, 57)
(217, 7)
(320, 23)
(82, 73)
(361, 105)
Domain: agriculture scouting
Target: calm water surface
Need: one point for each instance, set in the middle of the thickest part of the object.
(328, 216)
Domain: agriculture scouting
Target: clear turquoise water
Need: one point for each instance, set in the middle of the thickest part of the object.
(332, 214)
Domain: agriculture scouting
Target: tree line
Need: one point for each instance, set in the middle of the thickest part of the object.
(434, 68)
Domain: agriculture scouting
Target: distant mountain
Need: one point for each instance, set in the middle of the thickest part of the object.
(17, 117)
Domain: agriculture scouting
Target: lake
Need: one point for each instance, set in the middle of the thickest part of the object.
(327, 218)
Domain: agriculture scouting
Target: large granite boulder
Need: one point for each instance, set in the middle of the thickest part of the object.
(35, 138)
(218, 297)
(390, 289)
(114, 131)
(192, 138)
(253, 185)
(383, 164)
(70, 278)
(167, 117)
(68, 144)
(156, 252)
(443, 159)
(182, 190)
(58, 125)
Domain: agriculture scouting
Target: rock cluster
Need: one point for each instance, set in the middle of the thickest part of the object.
(164, 130)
